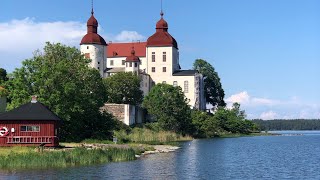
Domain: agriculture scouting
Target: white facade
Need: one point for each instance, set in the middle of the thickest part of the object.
(97, 55)
(158, 64)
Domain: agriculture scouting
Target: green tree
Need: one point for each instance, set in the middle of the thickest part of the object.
(169, 107)
(3, 75)
(233, 120)
(124, 88)
(213, 88)
(62, 80)
(205, 125)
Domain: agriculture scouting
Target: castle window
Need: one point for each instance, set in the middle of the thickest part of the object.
(164, 69)
(111, 62)
(87, 47)
(98, 62)
(98, 67)
(164, 56)
(186, 86)
(153, 57)
(123, 62)
(175, 83)
(130, 64)
(135, 64)
(153, 69)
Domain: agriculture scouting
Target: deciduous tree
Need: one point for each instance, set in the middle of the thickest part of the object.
(213, 88)
(169, 106)
(124, 88)
(62, 80)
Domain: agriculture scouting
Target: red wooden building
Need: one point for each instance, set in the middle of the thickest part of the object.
(31, 124)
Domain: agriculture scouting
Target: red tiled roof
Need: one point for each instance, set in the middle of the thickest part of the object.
(124, 49)
(161, 37)
(92, 36)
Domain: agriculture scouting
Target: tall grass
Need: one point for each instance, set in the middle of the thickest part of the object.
(147, 136)
(75, 157)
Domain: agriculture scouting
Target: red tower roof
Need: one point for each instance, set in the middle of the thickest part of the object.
(92, 36)
(161, 37)
(133, 57)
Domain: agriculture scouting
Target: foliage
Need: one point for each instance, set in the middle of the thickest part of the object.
(148, 136)
(223, 121)
(233, 120)
(288, 124)
(75, 157)
(205, 125)
(168, 106)
(213, 88)
(3, 75)
(124, 88)
(62, 80)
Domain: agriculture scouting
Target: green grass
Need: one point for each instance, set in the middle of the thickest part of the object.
(147, 136)
(16, 149)
(61, 158)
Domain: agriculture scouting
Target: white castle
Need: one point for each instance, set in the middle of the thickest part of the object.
(156, 61)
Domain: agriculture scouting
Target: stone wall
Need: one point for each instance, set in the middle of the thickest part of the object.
(117, 110)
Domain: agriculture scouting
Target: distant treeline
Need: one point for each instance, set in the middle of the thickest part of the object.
(290, 124)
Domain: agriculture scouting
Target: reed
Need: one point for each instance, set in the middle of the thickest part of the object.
(147, 136)
(60, 158)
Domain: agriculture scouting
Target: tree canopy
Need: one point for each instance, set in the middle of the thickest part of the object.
(213, 88)
(169, 107)
(62, 80)
(124, 88)
(3, 75)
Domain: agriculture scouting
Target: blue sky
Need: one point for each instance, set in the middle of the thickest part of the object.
(267, 52)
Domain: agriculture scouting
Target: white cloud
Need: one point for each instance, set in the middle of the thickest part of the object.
(267, 108)
(129, 36)
(20, 38)
(27, 35)
(268, 115)
(242, 98)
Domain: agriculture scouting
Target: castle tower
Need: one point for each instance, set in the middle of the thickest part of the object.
(93, 46)
(162, 52)
(133, 62)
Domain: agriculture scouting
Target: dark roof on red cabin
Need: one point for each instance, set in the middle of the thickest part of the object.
(124, 49)
(30, 111)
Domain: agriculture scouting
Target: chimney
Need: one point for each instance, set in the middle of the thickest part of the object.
(34, 99)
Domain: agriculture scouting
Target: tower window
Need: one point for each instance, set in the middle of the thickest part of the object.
(175, 83)
(164, 69)
(164, 56)
(111, 62)
(153, 57)
(153, 69)
(186, 86)
(123, 62)
(98, 62)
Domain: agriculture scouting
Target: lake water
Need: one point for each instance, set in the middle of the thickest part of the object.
(262, 157)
